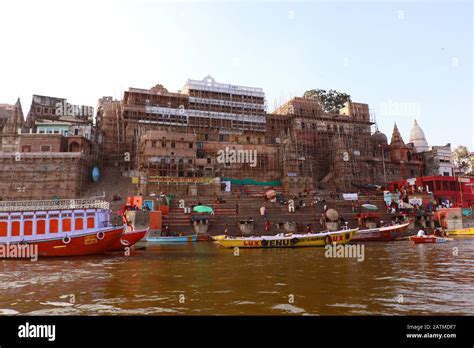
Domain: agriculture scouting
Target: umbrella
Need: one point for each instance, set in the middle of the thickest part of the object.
(332, 214)
(370, 206)
(202, 209)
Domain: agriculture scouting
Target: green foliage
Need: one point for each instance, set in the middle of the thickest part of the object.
(461, 157)
(330, 101)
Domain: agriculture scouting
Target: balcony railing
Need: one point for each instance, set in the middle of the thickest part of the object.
(55, 204)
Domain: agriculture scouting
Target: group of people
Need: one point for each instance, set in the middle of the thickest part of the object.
(438, 232)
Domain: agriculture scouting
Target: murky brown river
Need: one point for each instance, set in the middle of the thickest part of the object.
(204, 279)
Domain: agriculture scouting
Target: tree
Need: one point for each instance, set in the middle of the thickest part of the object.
(461, 157)
(330, 101)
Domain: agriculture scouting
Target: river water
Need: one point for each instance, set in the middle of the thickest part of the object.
(204, 279)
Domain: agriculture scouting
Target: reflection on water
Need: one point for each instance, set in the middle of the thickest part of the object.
(204, 279)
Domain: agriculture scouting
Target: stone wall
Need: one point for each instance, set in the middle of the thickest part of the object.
(43, 176)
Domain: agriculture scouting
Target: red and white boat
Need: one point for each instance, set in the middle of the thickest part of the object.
(128, 239)
(429, 239)
(58, 227)
(381, 234)
(131, 234)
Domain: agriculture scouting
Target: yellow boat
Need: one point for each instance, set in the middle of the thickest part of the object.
(462, 232)
(219, 237)
(290, 240)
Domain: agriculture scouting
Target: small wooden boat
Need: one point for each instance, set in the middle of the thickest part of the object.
(172, 239)
(135, 230)
(290, 240)
(203, 238)
(128, 239)
(429, 239)
(381, 234)
(461, 232)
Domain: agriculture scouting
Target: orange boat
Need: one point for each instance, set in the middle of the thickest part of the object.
(130, 236)
(429, 239)
(128, 239)
(56, 228)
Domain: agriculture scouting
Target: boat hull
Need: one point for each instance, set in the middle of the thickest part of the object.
(203, 238)
(76, 245)
(429, 239)
(219, 237)
(462, 232)
(128, 239)
(382, 234)
(179, 239)
(291, 240)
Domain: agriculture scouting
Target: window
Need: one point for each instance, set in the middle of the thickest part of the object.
(209, 160)
(221, 137)
(190, 161)
(163, 143)
(206, 136)
(190, 145)
(173, 144)
(26, 148)
(45, 148)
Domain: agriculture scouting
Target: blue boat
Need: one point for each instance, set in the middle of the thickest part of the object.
(172, 239)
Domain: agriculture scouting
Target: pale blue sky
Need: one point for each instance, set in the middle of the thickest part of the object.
(414, 55)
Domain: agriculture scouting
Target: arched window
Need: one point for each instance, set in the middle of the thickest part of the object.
(27, 227)
(74, 147)
(66, 225)
(3, 228)
(90, 222)
(15, 228)
(40, 226)
(78, 224)
(53, 226)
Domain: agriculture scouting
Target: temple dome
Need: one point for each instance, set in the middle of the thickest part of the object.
(379, 137)
(418, 139)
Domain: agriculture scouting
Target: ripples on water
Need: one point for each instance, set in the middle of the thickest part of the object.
(203, 279)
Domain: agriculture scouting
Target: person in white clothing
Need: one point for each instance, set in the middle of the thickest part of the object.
(421, 233)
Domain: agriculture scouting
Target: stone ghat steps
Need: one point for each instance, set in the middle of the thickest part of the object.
(251, 205)
(254, 191)
(226, 217)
